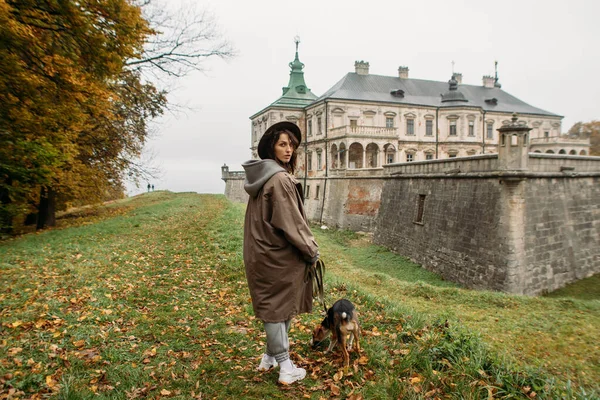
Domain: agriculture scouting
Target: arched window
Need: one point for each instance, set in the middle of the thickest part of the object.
(372, 155)
(573, 153)
(390, 153)
(334, 156)
(562, 151)
(355, 156)
(582, 153)
(549, 151)
(537, 151)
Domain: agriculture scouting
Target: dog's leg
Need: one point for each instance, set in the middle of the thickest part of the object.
(351, 340)
(356, 334)
(345, 351)
(332, 343)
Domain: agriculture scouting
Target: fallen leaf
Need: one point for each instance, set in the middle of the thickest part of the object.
(334, 389)
(338, 375)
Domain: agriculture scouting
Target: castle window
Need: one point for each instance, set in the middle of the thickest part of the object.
(372, 154)
(389, 122)
(318, 190)
(546, 134)
(309, 160)
(309, 125)
(429, 156)
(452, 127)
(420, 209)
(410, 157)
(355, 156)
(390, 153)
(429, 128)
(471, 128)
(490, 130)
(319, 160)
(353, 125)
(319, 126)
(410, 126)
(307, 192)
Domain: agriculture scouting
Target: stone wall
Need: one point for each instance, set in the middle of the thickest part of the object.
(350, 203)
(525, 232)
(457, 236)
(562, 232)
(234, 188)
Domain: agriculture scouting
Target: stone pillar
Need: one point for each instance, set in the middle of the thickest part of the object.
(513, 155)
(345, 156)
(364, 158)
(513, 147)
(513, 233)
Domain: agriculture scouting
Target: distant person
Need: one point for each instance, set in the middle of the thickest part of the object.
(153, 188)
(148, 188)
(278, 245)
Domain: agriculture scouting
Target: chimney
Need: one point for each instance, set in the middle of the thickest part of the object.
(458, 77)
(488, 81)
(403, 72)
(361, 67)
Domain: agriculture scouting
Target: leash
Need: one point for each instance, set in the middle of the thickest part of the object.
(316, 272)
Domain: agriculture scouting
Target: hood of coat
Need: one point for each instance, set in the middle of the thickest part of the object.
(258, 173)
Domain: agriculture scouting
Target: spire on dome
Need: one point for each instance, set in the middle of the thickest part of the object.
(296, 93)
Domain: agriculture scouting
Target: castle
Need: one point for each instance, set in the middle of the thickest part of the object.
(431, 168)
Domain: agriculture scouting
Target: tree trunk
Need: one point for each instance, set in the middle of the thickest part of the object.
(47, 208)
(5, 215)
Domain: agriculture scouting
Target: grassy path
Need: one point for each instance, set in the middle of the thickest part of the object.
(151, 302)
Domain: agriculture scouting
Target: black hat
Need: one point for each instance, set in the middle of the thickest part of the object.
(263, 145)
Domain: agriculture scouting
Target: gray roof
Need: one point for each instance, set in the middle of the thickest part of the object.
(377, 88)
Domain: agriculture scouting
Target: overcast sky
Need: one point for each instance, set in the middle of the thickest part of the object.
(547, 53)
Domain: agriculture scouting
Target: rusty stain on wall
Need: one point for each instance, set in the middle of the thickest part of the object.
(362, 201)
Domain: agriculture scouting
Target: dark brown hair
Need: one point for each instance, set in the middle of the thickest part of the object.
(291, 165)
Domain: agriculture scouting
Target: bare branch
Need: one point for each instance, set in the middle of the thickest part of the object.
(185, 39)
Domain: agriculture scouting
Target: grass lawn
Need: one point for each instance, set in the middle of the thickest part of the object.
(147, 298)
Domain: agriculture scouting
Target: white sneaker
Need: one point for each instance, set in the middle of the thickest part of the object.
(289, 377)
(267, 363)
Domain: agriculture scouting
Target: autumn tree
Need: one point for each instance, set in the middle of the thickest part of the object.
(588, 130)
(77, 96)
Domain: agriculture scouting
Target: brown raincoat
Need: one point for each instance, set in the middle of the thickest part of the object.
(278, 244)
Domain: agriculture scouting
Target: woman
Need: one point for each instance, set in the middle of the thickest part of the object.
(278, 244)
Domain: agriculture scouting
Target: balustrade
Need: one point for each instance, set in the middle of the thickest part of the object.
(363, 130)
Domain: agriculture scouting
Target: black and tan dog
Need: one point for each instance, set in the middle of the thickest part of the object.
(341, 321)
